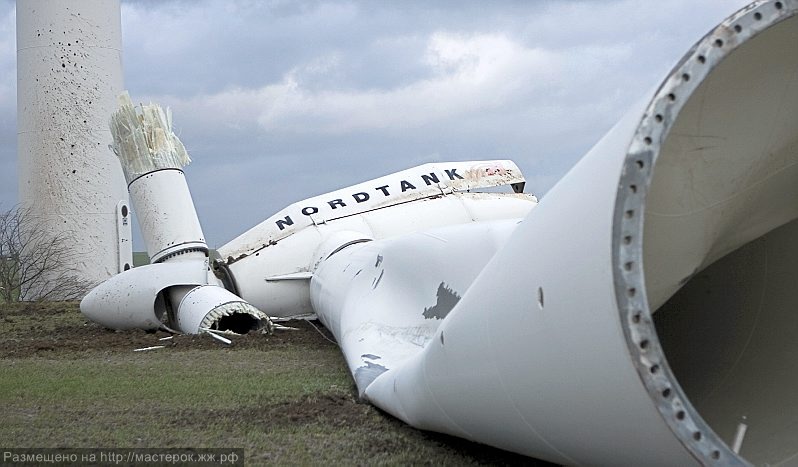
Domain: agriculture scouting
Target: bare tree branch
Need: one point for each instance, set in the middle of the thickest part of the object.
(35, 262)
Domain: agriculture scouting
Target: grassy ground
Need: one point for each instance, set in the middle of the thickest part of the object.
(286, 398)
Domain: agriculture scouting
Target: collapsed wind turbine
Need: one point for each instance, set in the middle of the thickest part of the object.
(641, 314)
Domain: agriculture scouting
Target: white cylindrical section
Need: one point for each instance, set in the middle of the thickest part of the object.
(166, 214)
(551, 379)
(69, 72)
(135, 299)
(705, 168)
(204, 305)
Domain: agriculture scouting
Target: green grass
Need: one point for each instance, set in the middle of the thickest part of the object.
(285, 399)
(159, 399)
(140, 258)
(182, 379)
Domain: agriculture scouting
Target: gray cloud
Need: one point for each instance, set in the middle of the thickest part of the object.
(278, 101)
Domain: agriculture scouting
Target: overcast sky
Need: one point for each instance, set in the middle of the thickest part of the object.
(278, 101)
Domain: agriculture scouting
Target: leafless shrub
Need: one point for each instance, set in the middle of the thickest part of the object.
(36, 263)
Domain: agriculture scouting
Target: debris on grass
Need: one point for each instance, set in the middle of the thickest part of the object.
(154, 347)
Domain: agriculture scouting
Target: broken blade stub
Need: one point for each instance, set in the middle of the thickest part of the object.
(236, 317)
(217, 309)
(144, 140)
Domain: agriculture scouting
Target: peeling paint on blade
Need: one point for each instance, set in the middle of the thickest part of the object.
(447, 299)
(367, 373)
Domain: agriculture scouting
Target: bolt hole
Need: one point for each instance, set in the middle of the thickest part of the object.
(685, 77)
(680, 415)
(702, 59)
(627, 240)
(697, 436)
(647, 140)
(636, 318)
(716, 455)
(757, 16)
(654, 369)
(628, 266)
(630, 214)
(779, 5)
(640, 164)
(644, 344)
(671, 97)
(718, 42)
(631, 291)
(738, 28)
(633, 188)
(666, 393)
(658, 118)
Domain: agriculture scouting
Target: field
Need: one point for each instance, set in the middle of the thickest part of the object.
(286, 398)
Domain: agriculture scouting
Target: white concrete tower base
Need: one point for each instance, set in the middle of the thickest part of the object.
(69, 72)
